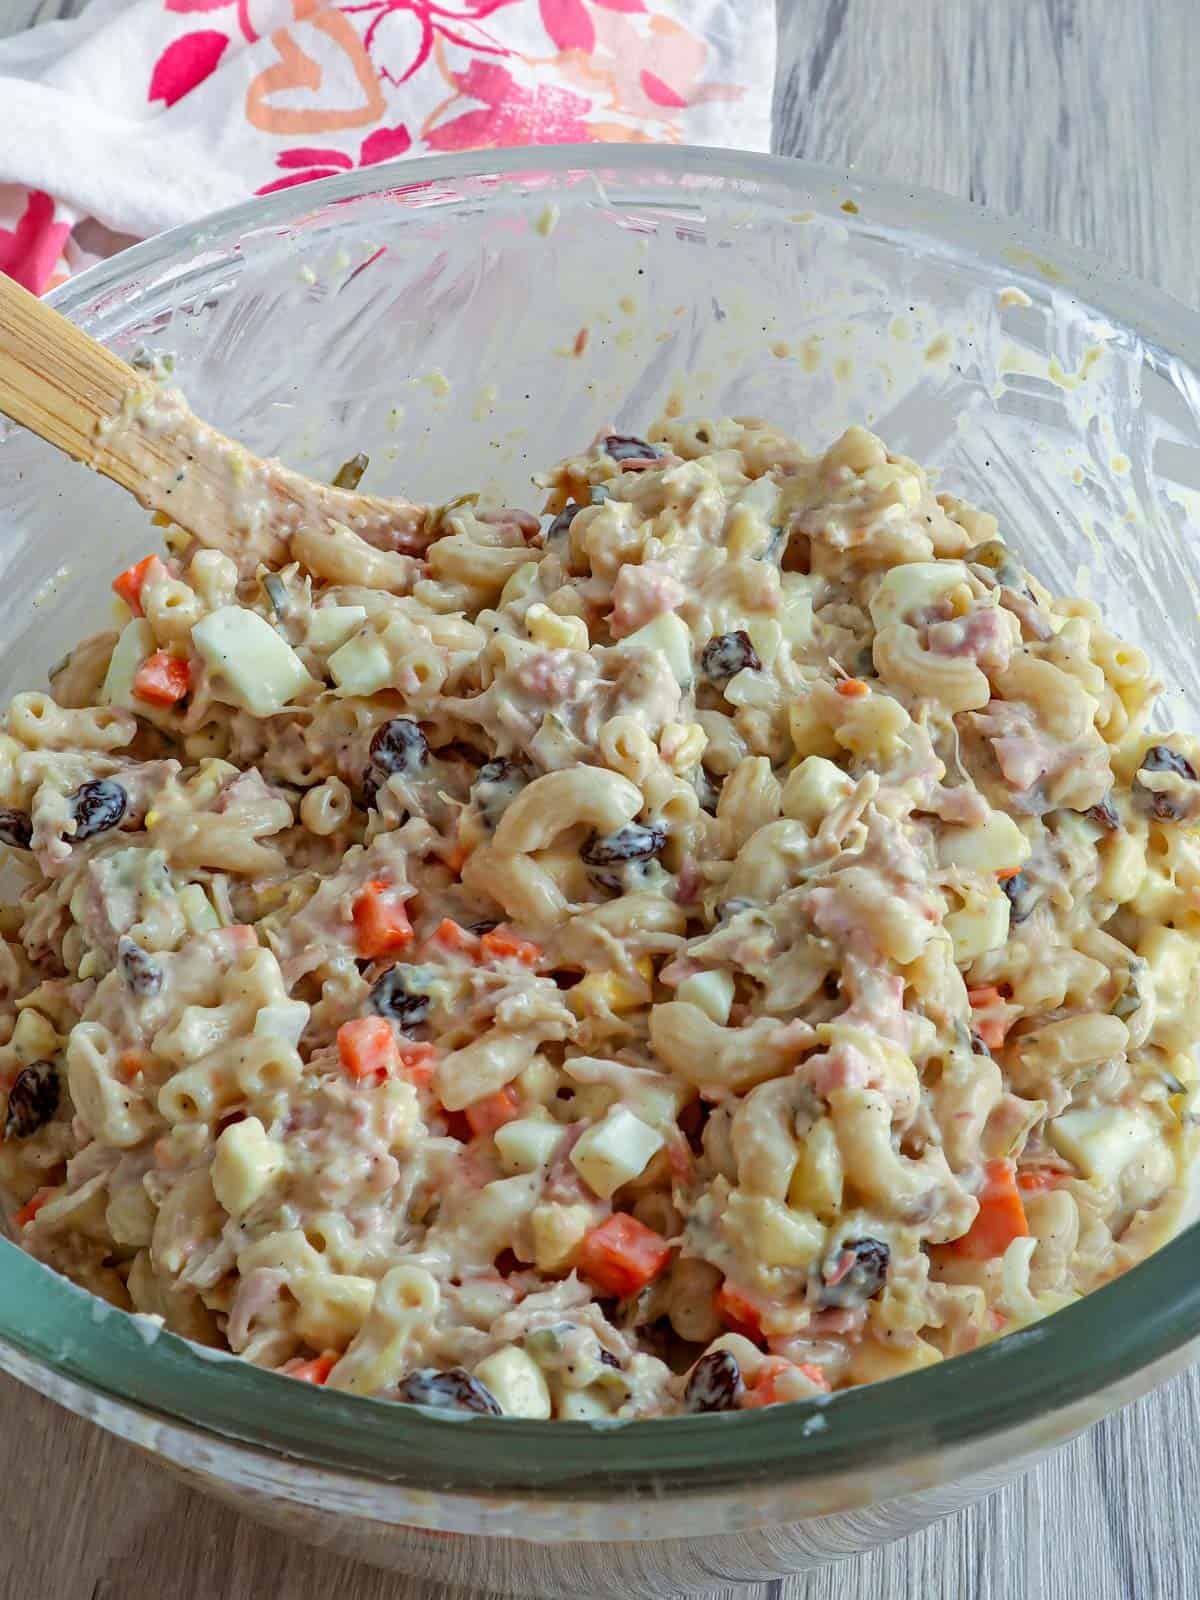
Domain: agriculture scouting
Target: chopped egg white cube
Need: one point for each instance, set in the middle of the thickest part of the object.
(980, 925)
(286, 1020)
(612, 1152)
(245, 1162)
(131, 649)
(259, 669)
(1101, 1140)
(996, 845)
(711, 991)
(671, 635)
(331, 626)
(527, 1143)
(516, 1382)
(362, 665)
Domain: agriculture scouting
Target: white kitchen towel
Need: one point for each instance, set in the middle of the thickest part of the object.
(142, 114)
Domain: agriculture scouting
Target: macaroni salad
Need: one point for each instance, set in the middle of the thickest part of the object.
(728, 939)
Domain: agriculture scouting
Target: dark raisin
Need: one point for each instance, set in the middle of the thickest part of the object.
(1104, 815)
(563, 521)
(714, 1383)
(1161, 758)
(607, 1359)
(15, 828)
(978, 1046)
(140, 971)
(624, 447)
(399, 746)
(398, 996)
(454, 1390)
(728, 654)
(861, 1279)
(97, 806)
(1160, 803)
(1023, 896)
(349, 474)
(633, 842)
(32, 1100)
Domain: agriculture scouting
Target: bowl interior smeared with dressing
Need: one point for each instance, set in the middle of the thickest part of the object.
(705, 284)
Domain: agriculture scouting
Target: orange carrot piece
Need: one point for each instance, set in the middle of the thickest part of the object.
(852, 688)
(162, 679)
(503, 944)
(367, 1048)
(1006, 873)
(622, 1255)
(32, 1206)
(993, 1028)
(381, 921)
(763, 1388)
(315, 1371)
(416, 1063)
(1001, 1216)
(739, 1313)
(494, 1110)
(450, 936)
(128, 584)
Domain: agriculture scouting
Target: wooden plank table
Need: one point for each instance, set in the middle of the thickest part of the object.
(1083, 116)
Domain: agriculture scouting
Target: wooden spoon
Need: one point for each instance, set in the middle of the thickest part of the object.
(66, 387)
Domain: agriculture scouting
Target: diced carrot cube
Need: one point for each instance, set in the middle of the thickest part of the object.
(763, 1390)
(494, 1110)
(417, 1062)
(162, 679)
(1006, 873)
(315, 1371)
(502, 944)
(738, 1312)
(32, 1206)
(991, 1022)
(1001, 1217)
(622, 1255)
(367, 1048)
(381, 921)
(450, 936)
(128, 584)
(852, 688)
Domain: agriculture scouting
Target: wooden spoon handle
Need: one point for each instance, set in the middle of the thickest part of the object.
(54, 379)
(64, 386)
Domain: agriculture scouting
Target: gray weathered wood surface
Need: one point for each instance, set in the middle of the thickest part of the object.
(1083, 116)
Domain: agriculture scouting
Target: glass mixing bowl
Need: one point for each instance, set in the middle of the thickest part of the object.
(466, 321)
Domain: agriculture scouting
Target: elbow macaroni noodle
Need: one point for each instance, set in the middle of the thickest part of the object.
(730, 939)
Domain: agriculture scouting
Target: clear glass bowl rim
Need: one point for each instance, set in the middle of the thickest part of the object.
(1135, 1322)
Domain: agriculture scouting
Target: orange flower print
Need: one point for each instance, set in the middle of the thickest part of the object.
(647, 70)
